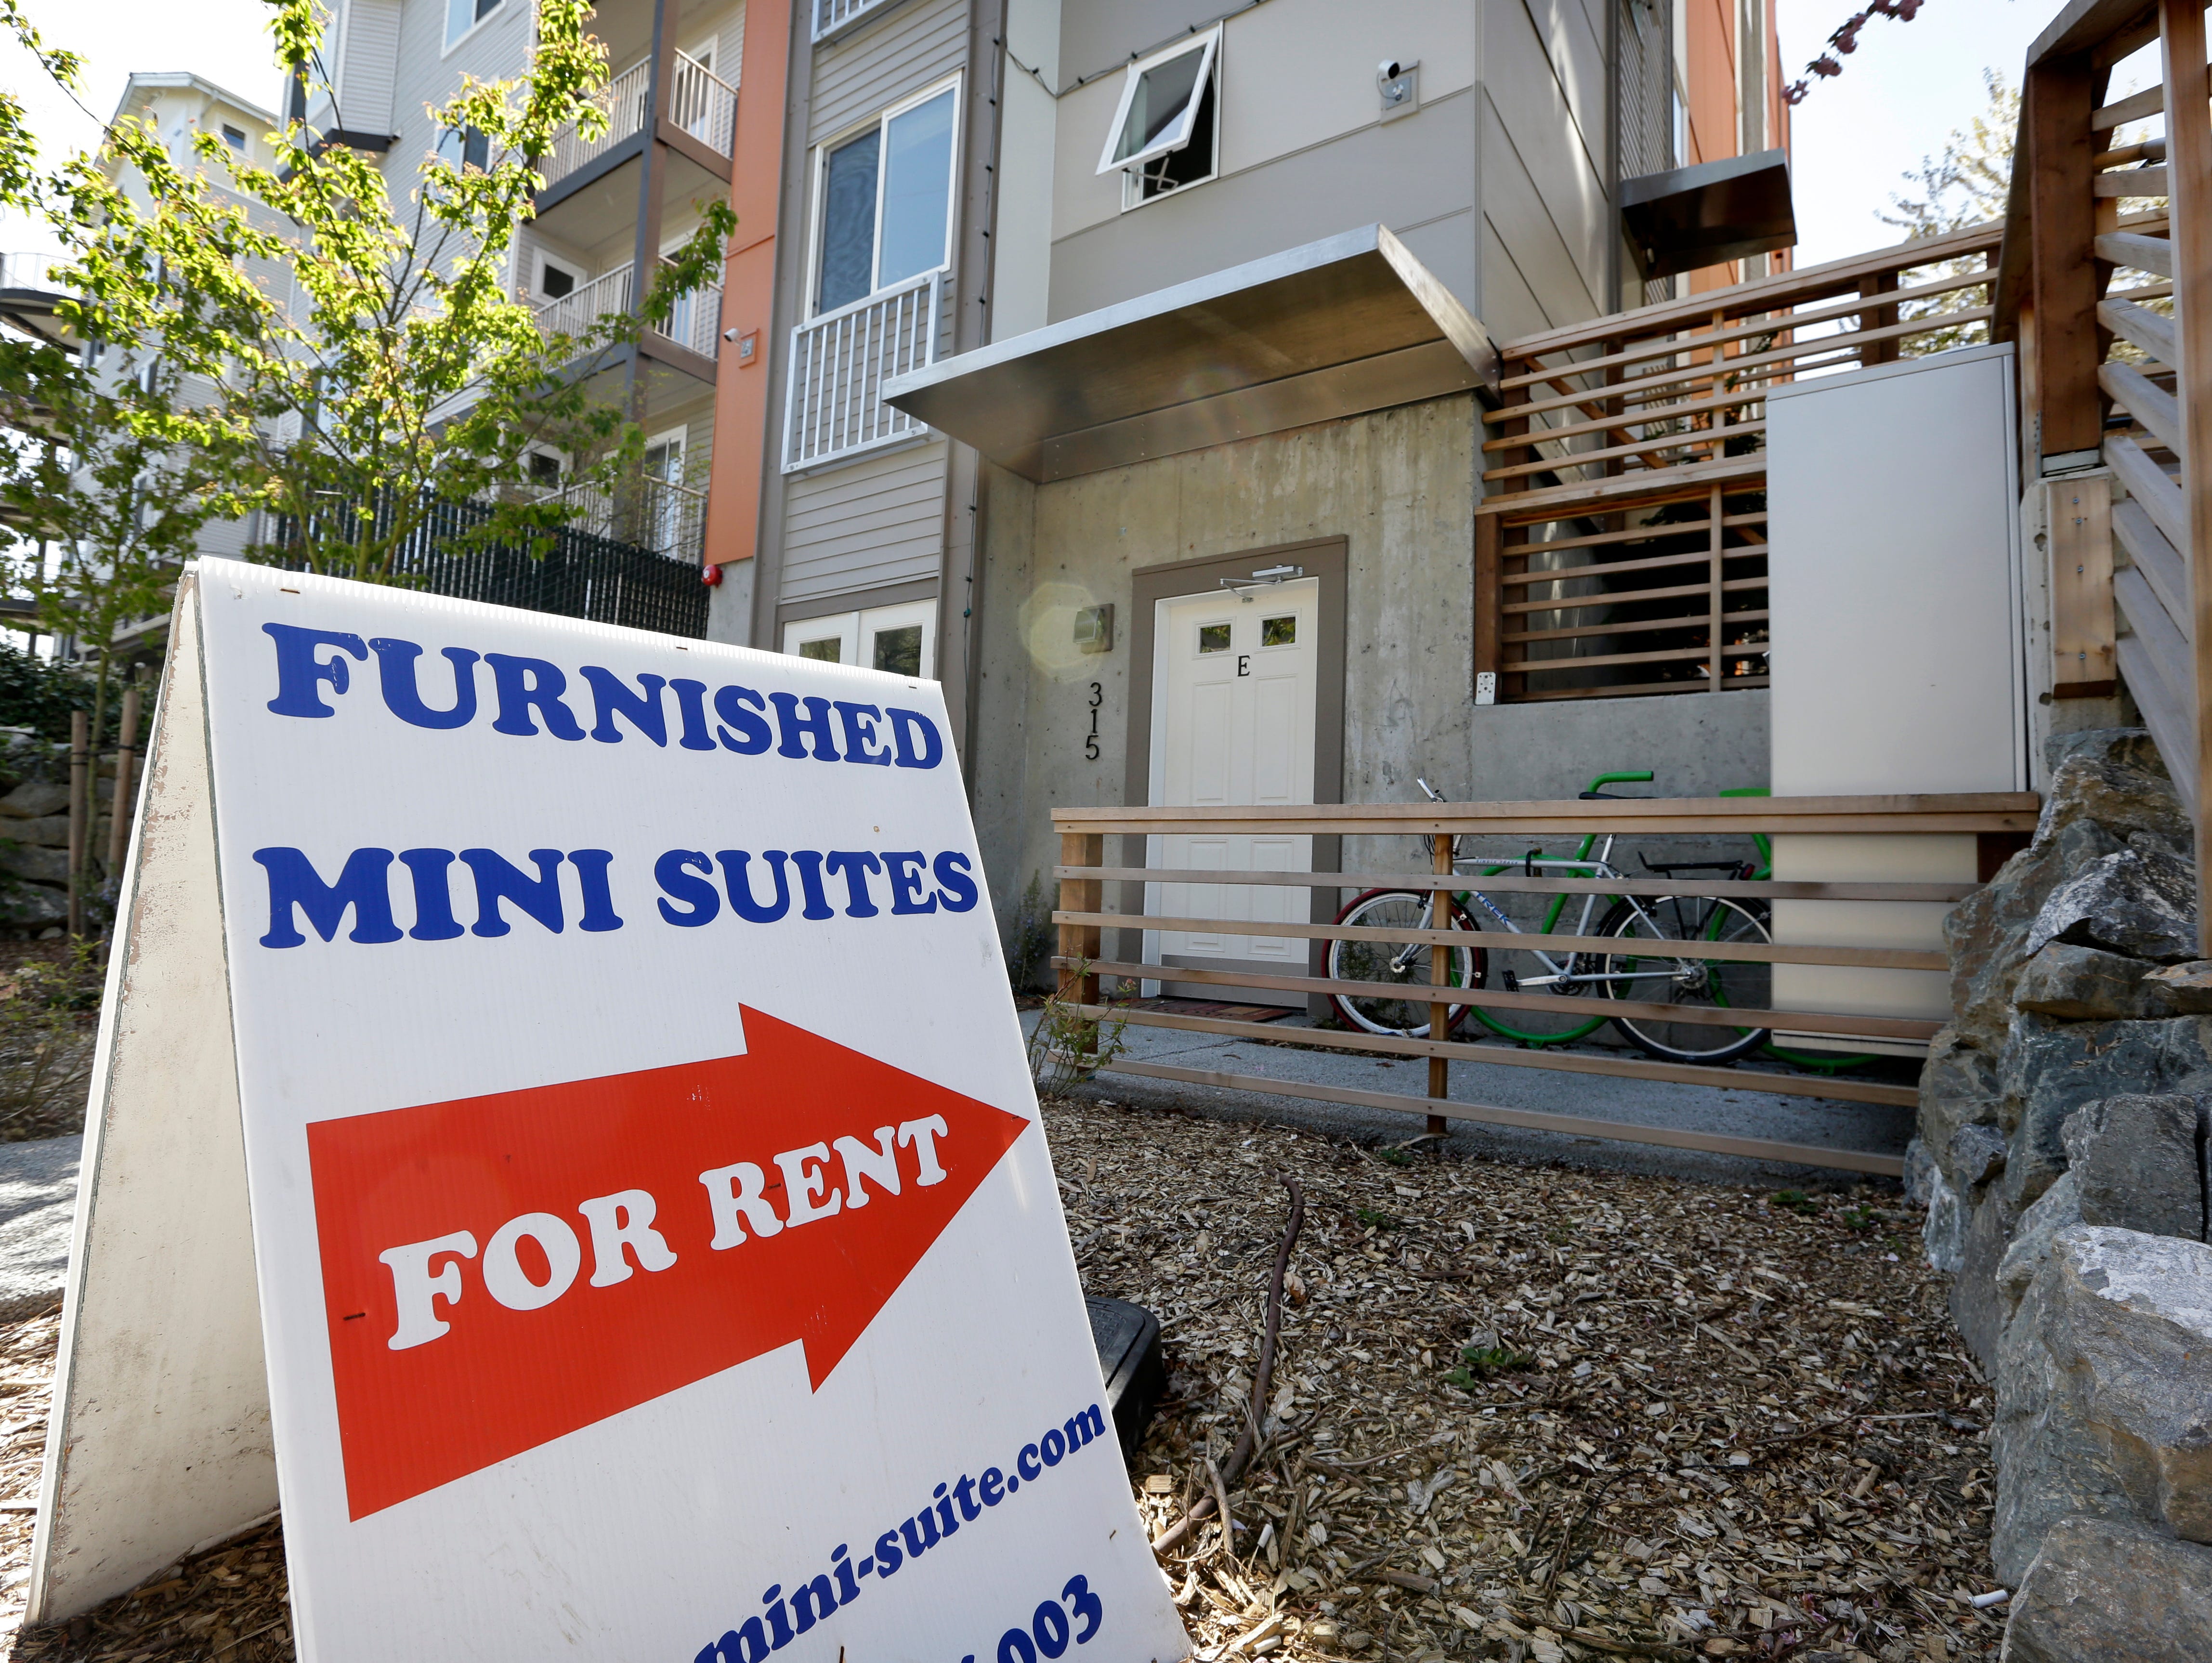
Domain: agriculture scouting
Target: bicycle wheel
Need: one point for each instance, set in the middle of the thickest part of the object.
(1536, 969)
(1404, 964)
(1662, 967)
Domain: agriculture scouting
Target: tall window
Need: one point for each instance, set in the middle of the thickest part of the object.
(1167, 126)
(462, 16)
(885, 196)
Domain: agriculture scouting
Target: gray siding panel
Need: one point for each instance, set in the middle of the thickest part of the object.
(875, 521)
(921, 41)
(1519, 221)
(1414, 172)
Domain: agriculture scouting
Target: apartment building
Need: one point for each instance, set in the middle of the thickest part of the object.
(611, 208)
(1095, 327)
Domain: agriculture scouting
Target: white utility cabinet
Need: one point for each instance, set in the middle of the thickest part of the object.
(1899, 662)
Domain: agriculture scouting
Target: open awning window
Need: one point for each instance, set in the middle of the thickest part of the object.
(1160, 100)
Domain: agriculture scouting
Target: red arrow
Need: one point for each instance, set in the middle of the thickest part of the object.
(476, 1379)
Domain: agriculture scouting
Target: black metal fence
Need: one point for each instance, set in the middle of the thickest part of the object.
(580, 575)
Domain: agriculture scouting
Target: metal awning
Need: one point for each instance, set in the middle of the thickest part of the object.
(1352, 323)
(1717, 211)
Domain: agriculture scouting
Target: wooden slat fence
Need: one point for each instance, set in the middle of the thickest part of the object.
(2113, 313)
(1623, 548)
(1083, 919)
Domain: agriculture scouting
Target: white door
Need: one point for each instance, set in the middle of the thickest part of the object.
(901, 638)
(1234, 680)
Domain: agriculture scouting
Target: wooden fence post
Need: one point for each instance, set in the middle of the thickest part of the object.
(1440, 1015)
(2188, 175)
(1079, 942)
(2055, 118)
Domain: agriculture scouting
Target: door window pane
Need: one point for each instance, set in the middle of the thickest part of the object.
(899, 650)
(1278, 632)
(917, 190)
(824, 650)
(848, 222)
(1213, 638)
(1163, 95)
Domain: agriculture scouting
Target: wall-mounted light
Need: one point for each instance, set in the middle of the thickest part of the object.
(1094, 628)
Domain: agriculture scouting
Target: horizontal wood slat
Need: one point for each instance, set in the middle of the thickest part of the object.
(1950, 811)
(2161, 636)
(1693, 439)
(2166, 713)
(2148, 483)
(2158, 560)
(1687, 408)
(2130, 182)
(1518, 883)
(1811, 1155)
(1738, 952)
(2136, 251)
(1497, 998)
(2144, 399)
(2152, 332)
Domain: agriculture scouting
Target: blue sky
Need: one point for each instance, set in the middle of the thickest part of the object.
(1907, 88)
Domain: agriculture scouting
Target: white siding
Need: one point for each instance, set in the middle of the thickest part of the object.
(876, 521)
(369, 64)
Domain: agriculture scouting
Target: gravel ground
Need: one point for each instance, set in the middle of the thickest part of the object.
(1697, 1421)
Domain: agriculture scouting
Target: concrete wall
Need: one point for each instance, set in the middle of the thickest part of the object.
(1695, 743)
(1399, 486)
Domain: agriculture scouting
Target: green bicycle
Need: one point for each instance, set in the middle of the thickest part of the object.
(1656, 964)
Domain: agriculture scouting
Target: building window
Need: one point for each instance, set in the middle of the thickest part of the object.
(235, 137)
(1167, 127)
(557, 278)
(900, 640)
(463, 15)
(885, 200)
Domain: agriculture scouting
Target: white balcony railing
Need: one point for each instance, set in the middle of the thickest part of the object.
(623, 99)
(657, 514)
(834, 406)
(696, 320)
(833, 17)
(703, 105)
(584, 306)
(30, 271)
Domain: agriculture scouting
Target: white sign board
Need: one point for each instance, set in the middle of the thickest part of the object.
(658, 1256)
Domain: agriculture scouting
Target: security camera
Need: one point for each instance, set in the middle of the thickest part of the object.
(1394, 79)
(1389, 71)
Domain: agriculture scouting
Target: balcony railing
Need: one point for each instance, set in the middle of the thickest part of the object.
(624, 99)
(659, 515)
(835, 17)
(580, 307)
(834, 405)
(696, 320)
(30, 271)
(703, 105)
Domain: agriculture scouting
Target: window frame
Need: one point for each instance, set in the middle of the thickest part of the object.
(818, 208)
(572, 269)
(1132, 179)
(856, 630)
(1209, 45)
(455, 42)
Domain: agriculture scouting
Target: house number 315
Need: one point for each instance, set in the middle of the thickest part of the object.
(1090, 739)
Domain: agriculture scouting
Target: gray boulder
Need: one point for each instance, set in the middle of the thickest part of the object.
(1977, 1154)
(32, 906)
(1959, 1087)
(2113, 1590)
(2059, 1208)
(35, 798)
(41, 865)
(2088, 984)
(2115, 778)
(1987, 933)
(2050, 1069)
(2138, 1164)
(1978, 1306)
(2102, 1407)
(2187, 988)
(2140, 902)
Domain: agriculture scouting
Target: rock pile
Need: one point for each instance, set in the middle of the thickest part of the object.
(2065, 1118)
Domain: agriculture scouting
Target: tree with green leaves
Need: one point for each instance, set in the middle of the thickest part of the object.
(394, 374)
(1965, 184)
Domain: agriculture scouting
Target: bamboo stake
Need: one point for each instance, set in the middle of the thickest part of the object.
(80, 801)
(119, 813)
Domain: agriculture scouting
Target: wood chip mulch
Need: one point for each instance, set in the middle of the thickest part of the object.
(1698, 1422)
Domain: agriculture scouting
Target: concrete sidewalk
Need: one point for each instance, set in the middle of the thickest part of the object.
(38, 1201)
(1737, 1112)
